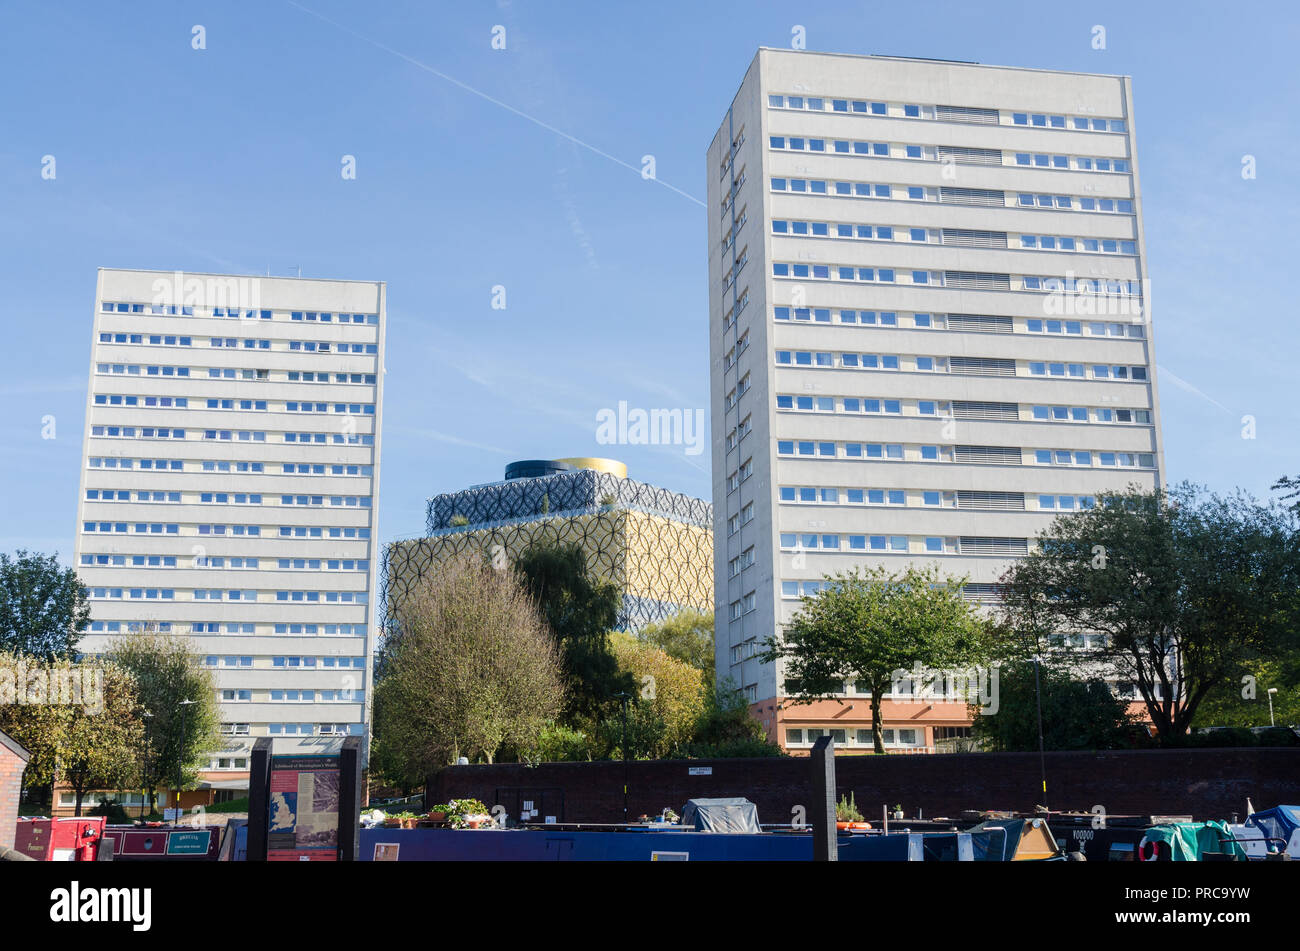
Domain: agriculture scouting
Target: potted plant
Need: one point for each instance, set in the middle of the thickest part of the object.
(898, 811)
(847, 815)
(468, 814)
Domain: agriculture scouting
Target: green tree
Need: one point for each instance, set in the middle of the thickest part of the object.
(645, 729)
(868, 624)
(580, 611)
(687, 635)
(1243, 700)
(43, 606)
(1078, 714)
(725, 727)
(469, 668)
(166, 671)
(1184, 587)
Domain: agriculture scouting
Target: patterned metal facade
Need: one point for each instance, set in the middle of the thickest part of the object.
(655, 545)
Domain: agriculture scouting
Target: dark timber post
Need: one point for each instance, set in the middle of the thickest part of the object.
(349, 799)
(821, 815)
(259, 794)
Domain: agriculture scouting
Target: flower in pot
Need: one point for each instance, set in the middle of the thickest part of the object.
(439, 812)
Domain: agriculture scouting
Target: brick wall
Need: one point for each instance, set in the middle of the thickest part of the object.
(1203, 783)
(11, 783)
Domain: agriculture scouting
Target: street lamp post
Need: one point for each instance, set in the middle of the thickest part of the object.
(148, 736)
(623, 697)
(180, 757)
(1271, 691)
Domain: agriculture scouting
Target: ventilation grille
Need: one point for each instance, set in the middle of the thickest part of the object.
(981, 366)
(980, 324)
(966, 114)
(970, 156)
(983, 545)
(1000, 501)
(1006, 455)
(977, 280)
(967, 409)
(979, 591)
(973, 196)
(962, 238)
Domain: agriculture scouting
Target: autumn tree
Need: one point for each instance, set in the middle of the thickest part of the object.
(867, 624)
(80, 721)
(468, 667)
(670, 687)
(687, 636)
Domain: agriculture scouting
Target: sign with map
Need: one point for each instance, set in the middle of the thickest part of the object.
(303, 808)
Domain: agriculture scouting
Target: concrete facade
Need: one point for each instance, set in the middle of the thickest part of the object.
(229, 490)
(928, 335)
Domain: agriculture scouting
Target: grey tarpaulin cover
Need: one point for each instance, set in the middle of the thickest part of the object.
(721, 815)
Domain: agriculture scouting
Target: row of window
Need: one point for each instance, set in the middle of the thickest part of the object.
(976, 454)
(249, 662)
(230, 435)
(214, 465)
(891, 736)
(223, 373)
(970, 280)
(182, 402)
(928, 498)
(169, 310)
(965, 366)
(212, 627)
(959, 322)
(1078, 123)
(943, 409)
(982, 197)
(1000, 239)
(322, 346)
(832, 542)
(226, 594)
(224, 562)
(317, 696)
(224, 498)
(161, 528)
(232, 373)
(795, 143)
(306, 729)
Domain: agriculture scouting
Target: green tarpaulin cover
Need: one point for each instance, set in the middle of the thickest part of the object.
(1188, 840)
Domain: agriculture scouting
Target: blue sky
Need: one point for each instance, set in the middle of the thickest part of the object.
(520, 167)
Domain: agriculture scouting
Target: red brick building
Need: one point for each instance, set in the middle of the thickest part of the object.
(13, 763)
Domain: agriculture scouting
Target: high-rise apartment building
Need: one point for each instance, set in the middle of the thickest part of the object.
(928, 338)
(229, 491)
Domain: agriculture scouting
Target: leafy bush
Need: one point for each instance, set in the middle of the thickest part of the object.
(116, 814)
(557, 743)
